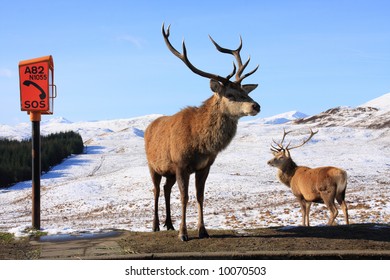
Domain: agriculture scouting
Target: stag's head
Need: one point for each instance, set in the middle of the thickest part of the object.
(281, 153)
(234, 97)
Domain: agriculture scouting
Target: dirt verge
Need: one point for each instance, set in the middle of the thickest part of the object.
(17, 249)
(358, 241)
(366, 240)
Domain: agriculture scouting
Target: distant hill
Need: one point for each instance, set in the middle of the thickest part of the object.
(282, 118)
(374, 114)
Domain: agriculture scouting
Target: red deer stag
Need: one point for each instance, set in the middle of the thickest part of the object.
(189, 141)
(322, 184)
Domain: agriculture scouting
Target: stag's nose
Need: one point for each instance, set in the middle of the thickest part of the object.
(256, 107)
(270, 162)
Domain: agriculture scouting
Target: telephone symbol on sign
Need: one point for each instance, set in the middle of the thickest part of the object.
(42, 94)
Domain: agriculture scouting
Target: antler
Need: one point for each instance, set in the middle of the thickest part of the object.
(236, 54)
(305, 141)
(183, 57)
(280, 146)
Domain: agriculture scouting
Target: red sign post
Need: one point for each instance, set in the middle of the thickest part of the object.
(37, 91)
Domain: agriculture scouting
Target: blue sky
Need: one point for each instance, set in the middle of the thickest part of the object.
(110, 60)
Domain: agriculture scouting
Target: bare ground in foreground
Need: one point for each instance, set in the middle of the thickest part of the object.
(359, 237)
(362, 240)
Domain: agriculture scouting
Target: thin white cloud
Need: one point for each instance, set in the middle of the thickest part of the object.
(137, 42)
(7, 73)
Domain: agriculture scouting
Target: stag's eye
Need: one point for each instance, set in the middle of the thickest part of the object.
(231, 96)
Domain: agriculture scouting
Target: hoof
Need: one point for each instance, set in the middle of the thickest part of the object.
(184, 238)
(203, 233)
(169, 226)
(156, 228)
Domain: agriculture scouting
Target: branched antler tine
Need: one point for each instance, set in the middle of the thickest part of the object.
(247, 74)
(274, 149)
(167, 33)
(183, 57)
(242, 68)
(240, 46)
(224, 50)
(280, 145)
(236, 54)
(284, 135)
(305, 141)
(169, 45)
(233, 72)
(277, 144)
(232, 52)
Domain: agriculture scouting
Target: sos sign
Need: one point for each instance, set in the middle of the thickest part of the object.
(36, 84)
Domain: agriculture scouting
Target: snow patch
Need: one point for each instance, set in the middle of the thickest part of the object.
(382, 103)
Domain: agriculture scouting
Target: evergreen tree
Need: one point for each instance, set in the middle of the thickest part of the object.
(15, 156)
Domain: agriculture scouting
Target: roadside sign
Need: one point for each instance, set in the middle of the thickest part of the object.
(37, 90)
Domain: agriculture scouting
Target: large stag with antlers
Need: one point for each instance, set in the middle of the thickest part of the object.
(322, 184)
(189, 141)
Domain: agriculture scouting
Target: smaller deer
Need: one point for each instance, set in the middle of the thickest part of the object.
(321, 185)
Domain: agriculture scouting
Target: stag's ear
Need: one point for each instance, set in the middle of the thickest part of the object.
(287, 153)
(215, 86)
(249, 88)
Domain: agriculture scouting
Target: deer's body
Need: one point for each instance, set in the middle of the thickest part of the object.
(193, 136)
(189, 141)
(322, 184)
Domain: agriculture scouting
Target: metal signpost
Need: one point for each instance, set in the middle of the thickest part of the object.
(37, 92)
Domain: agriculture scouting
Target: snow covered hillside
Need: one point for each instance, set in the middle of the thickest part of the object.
(374, 114)
(281, 118)
(109, 186)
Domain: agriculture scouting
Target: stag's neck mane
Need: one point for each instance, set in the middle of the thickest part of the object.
(216, 128)
(286, 173)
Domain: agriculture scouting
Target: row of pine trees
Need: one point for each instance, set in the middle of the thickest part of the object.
(16, 159)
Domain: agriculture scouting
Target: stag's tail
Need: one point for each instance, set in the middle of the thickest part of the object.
(341, 182)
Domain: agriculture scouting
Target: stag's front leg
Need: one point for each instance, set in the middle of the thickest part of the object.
(167, 194)
(183, 178)
(302, 202)
(200, 181)
(308, 204)
(156, 178)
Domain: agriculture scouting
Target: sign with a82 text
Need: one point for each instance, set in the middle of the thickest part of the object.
(35, 77)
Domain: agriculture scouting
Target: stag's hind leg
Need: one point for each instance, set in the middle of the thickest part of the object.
(341, 200)
(329, 202)
(183, 178)
(156, 178)
(171, 180)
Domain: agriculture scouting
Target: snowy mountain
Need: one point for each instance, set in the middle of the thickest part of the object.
(382, 103)
(282, 118)
(374, 114)
(109, 187)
